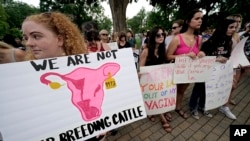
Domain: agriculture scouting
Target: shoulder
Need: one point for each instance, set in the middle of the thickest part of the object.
(144, 52)
(176, 40)
(176, 37)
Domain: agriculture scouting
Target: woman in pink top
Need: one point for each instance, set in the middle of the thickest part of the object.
(186, 43)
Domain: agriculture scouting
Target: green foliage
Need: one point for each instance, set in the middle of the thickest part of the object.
(4, 26)
(105, 23)
(15, 32)
(12, 14)
(16, 12)
(80, 10)
(138, 22)
(215, 9)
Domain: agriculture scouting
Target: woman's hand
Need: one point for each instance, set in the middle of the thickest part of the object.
(191, 55)
(221, 59)
(201, 54)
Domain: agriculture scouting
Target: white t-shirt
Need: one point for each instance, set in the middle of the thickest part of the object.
(168, 40)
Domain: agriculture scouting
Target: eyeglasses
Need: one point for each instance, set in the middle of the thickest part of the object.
(104, 34)
(174, 27)
(160, 34)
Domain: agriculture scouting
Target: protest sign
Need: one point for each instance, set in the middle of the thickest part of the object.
(238, 56)
(113, 45)
(69, 98)
(158, 90)
(219, 86)
(187, 70)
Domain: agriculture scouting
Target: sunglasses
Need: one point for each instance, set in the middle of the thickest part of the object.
(104, 34)
(174, 27)
(161, 34)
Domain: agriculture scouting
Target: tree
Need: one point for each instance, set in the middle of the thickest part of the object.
(79, 10)
(12, 14)
(179, 8)
(16, 12)
(4, 26)
(138, 22)
(118, 10)
(105, 23)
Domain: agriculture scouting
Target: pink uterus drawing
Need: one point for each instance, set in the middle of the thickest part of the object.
(86, 86)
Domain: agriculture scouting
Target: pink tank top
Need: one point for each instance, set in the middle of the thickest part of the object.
(183, 48)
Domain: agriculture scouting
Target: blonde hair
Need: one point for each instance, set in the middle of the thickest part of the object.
(234, 17)
(60, 24)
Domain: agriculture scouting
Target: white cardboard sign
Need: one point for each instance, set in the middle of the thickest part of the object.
(218, 87)
(69, 98)
(187, 70)
(158, 90)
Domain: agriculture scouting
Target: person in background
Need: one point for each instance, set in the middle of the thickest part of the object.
(246, 29)
(220, 45)
(114, 37)
(176, 28)
(238, 20)
(143, 37)
(9, 54)
(154, 54)
(236, 39)
(145, 41)
(104, 36)
(122, 43)
(131, 39)
(186, 44)
(89, 25)
(247, 47)
(206, 34)
(94, 43)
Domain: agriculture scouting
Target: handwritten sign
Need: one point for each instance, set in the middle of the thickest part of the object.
(187, 70)
(219, 86)
(158, 90)
(69, 98)
(113, 45)
(238, 56)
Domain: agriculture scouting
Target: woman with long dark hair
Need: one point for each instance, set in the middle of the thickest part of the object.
(220, 45)
(187, 43)
(154, 54)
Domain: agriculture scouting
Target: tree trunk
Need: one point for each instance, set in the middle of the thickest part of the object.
(118, 11)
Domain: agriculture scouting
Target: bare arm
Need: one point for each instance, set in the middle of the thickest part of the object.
(143, 57)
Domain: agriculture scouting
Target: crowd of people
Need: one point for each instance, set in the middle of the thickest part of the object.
(53, 34)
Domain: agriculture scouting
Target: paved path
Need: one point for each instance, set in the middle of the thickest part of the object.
(205, 129)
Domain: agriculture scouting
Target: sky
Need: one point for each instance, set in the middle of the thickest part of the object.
(132, 8)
